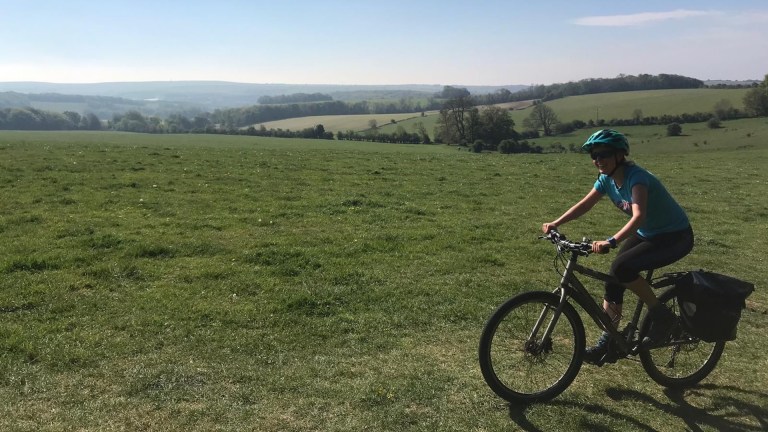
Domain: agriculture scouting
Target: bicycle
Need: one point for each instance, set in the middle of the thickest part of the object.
(528, 353)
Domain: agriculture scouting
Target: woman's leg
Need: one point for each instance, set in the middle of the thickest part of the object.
(643, 290)
(636, 255)
(614, 291)
(647, 254)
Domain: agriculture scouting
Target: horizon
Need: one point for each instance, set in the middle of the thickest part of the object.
(350, 85)
(430, 42)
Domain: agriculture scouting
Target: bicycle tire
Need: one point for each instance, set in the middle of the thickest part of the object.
(513, 367)
(683, 362)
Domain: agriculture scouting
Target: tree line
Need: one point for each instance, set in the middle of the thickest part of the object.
(35, 119)
(101, 106)
(622, 83)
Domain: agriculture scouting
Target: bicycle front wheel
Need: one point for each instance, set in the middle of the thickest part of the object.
(684, 360)
(518, 363)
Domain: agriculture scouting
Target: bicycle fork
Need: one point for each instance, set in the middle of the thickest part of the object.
(545, 343)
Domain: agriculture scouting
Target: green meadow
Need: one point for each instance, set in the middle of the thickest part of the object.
(193, 282)
(622, 105)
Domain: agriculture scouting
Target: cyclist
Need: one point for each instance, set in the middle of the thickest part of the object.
(657, 234)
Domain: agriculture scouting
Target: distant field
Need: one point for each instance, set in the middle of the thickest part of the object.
(651, 102)
(607, 106)
(356, 123)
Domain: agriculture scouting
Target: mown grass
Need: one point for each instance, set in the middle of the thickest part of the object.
(344, 123)
(232, 283)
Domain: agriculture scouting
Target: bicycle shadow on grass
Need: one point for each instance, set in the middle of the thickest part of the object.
(740, 409)
(727, 407)
(518, 415)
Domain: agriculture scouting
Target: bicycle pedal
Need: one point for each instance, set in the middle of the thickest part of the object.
(608, 358)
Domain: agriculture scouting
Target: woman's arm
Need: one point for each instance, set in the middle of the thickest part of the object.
(639, 212)
(579, 209)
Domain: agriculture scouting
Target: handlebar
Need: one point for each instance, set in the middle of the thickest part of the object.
(583, 247)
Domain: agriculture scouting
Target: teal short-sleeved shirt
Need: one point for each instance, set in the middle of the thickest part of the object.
(664, 214)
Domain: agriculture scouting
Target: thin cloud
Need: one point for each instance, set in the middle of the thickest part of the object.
(640, 18)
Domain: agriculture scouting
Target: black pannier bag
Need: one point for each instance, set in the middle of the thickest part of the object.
(711, 304)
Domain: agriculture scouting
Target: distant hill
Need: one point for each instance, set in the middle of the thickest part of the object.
(103, 107)
(211, 95)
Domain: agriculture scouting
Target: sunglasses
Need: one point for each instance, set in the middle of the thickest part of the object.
(602, 155)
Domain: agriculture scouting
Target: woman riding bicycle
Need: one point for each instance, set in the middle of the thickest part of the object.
(658, 233)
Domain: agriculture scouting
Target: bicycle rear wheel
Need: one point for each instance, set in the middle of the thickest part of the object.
(517, 363)
(685, 360)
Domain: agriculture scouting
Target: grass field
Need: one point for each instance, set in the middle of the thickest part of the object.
(176, 283)
(622, 105)
(357, 123)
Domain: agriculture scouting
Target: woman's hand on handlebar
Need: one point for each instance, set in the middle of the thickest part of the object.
(601, 247)
(548, 226)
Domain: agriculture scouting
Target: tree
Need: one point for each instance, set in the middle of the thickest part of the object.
(756, 100)
(508, 146)
(90, 122)
(132, 121)
(713, 123)
(73, 118)
(421, 130)
(564, 128)
(457, 122)
(724, 109)
(22, 119)
(319, 131)
(674, 129)
(450, 92)
(637, 115)
(496, 125)
(373, 127)
(176, 123)
(541, 117)
(473, 124)
(478, 146)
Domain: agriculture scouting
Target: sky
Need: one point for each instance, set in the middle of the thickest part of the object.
(446, 42)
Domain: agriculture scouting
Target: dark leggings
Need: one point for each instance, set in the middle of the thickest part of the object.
(639, 254)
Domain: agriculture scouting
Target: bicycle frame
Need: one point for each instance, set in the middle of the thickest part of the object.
(571, 287)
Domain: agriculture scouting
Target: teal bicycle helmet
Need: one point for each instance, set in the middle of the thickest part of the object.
(608, 138)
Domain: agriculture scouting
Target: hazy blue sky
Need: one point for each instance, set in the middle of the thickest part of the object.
(479, 42)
